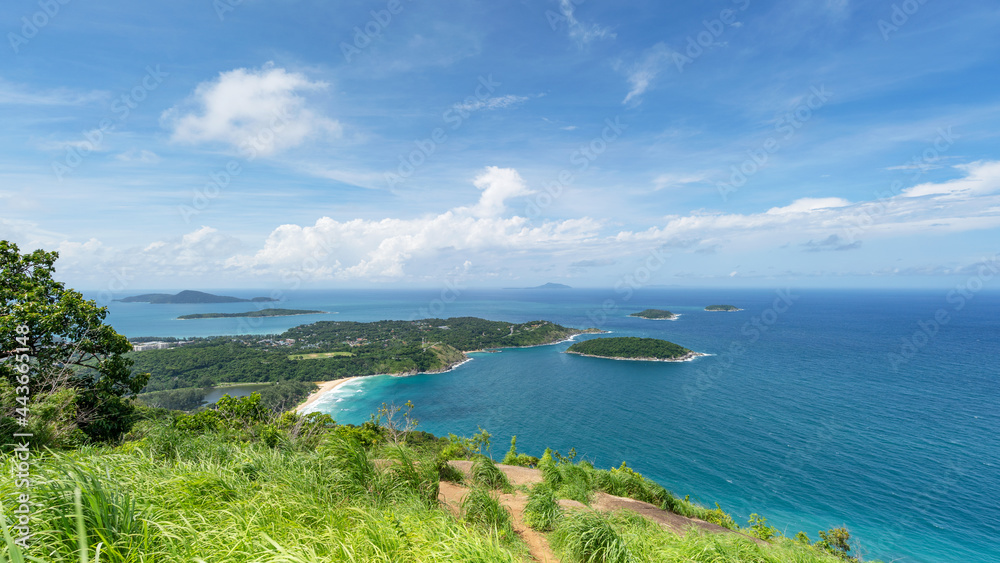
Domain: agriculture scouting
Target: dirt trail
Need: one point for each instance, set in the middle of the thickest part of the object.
(452, 494)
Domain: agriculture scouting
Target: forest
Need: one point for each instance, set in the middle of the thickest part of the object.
(370, 348)
(629, 347)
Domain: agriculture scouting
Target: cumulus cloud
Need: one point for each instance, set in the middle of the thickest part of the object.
(258, 111)
(385, 249)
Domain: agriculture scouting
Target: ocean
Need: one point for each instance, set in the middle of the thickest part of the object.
(876, 410)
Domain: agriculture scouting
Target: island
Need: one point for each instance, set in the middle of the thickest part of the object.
(260, 313)
(189, 296)
(655, 314)
(327, 350)
(722, 308)
(545, 286)
(633, 348)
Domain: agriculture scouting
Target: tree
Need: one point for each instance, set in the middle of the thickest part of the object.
(53, 342)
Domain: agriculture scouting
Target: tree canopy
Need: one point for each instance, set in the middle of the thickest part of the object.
(56, 347)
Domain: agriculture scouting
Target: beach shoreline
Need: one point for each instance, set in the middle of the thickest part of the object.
(324, 388)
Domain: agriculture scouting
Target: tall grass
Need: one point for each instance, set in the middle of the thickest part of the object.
(485, 473)
(589, 537)
(542, 510)
(481, 508)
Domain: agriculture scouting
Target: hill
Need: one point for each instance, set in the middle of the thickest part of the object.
(655, 314)
(544, 286)
(633, 348)
(728, 308)
(189, 296)
(260, 313)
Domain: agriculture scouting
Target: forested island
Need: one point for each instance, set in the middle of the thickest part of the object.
(189, 296)
(329, 350)
(654, 314)
(722, 308)
(260, 313)
(633, 348)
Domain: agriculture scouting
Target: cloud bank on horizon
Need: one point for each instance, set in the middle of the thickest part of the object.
(749, 143)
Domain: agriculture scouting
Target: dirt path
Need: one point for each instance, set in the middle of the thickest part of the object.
(451, 495)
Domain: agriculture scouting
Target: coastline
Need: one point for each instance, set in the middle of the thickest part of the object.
(324, 388)
(673, 318)
(685, 358)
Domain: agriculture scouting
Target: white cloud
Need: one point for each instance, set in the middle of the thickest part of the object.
(580, 32)
(141, 156)
(258, 111)
(664, 181)
(497, 102)
(980, 178)
(390, 248)
(809, 204)
(642, 73)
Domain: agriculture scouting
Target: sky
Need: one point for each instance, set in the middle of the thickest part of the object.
(408, 143)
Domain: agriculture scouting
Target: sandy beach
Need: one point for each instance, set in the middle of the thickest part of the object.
(324, 388)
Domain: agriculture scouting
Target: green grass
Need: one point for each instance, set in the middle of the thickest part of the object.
(482, 508)
(320, 355)
(486, 474)
(589, 537)
(542, 510)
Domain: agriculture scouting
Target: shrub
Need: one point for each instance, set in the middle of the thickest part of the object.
(588, 537)
(542, 510)
(481, 508)
(485, 473)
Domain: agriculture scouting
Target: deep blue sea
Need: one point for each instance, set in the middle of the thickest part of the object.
(877, 410)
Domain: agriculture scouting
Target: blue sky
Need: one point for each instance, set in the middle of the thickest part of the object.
(406, 143)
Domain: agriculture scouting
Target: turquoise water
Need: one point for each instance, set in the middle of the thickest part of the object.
(816, 414)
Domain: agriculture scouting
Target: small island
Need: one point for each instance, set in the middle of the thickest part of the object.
(655, 314)
(722, 308)
(260, 313)
(633, 348)
(189, 296)
(549, 285)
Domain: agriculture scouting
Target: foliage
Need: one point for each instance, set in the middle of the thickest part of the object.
(629, 347)
(836, 541)
(759, 528)
(395, 422)
(61, 341)
(653, 314)
(368, 348)
(486, 474)
(482, 508)
(542, 510)
(520, 460)
(589, 537)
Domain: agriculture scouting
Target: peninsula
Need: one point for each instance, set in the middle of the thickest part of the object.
(189, 296)
(633, 348)
(260, 313)
(328, 350)
(655, 314)
(722, 308)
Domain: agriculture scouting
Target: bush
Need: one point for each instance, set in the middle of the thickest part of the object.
(485, 473)
(481, 508)
(588, 537)
(542, 510)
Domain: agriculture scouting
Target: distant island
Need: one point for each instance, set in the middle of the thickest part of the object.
(261, 313)
(633, 348)
(722, 308)
(544, 286)
(189, 296)
(655, 314)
